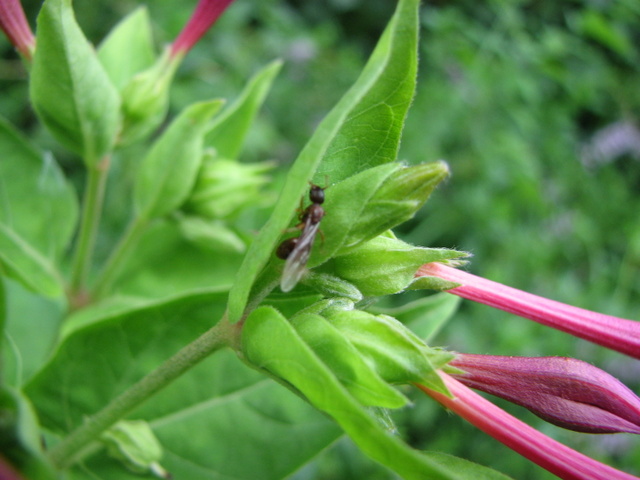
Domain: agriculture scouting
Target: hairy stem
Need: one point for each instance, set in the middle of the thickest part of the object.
(91, 213)
(119, 256)
(70, 448)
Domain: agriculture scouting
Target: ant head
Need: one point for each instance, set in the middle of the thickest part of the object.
(316, 194)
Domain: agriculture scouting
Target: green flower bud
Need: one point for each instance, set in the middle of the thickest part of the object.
(395, 352)
(369, 203)
(145, 99)
(399, 197)
(224, 186)
(134, 444)
(385, 265)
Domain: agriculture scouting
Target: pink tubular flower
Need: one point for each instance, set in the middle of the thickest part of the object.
(567, 392)
(205, 15)
(14, 24)
(520, 437)
(612, 332)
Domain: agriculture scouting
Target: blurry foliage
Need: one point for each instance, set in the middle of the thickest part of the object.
(509, 93)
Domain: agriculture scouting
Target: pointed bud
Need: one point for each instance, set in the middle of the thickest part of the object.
(145, 99)
(134, 444)
(564, 391)
(224, 187)
(15, 26)
(385, 265)
(396, 200)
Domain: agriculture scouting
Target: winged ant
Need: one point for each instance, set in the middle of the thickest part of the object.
(296, 250)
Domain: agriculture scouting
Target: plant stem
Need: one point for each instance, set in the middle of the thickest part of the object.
(118, 256)
(221, 335)
(91, 213)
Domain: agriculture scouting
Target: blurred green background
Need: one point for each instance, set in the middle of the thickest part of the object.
(535, 106)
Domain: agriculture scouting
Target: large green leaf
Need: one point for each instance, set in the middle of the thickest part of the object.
(29, 312)
(22, 262)
(36, 201)
(219, 420)
(362, 131)
(70, 90)
(154, 270)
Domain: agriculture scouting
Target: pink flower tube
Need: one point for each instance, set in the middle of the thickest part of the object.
(15, 26)
(615, 333)
(204, 16)
(551, 455)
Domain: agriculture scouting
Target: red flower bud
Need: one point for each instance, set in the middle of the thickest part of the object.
(567, 392)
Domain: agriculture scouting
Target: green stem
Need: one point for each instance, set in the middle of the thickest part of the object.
(119, 256)
(221, 335)
(91, 213)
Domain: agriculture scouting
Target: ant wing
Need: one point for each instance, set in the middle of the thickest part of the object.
(295, 266)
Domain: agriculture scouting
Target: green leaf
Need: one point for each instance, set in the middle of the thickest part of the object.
(153, 269)
(398, 355)
(70, 90)
(25, 264)
(371, 115)
(29, 312)
(36, 201)
(228, 133)
(271, 343)
(128, 49)
(425, 316)
(168, 172)
(344, 360)
(219, 403)
(361, 131)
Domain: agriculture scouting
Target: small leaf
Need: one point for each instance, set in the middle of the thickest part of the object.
(228, 133)
(168, 172)
(128, 49)
(70, 90)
